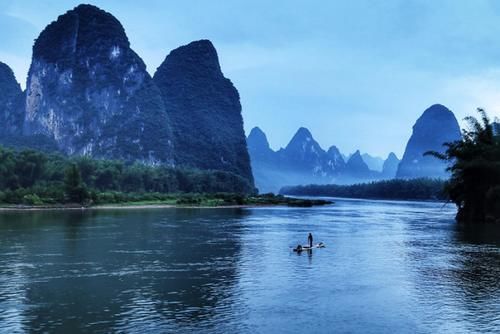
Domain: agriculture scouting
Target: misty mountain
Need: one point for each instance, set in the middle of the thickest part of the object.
(303, 161)
(374, 163)
(356, 167)
(258, 147)
(390, 166)
(436, 126)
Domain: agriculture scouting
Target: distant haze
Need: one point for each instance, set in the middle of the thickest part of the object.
(357, 74)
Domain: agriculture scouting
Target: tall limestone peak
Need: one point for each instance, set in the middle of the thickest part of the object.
(305, 154)
(80, 30)
(205, 110)
(8, 84)
(436, 126)
(258, 147)
(11, 113)
(356, 166)
(198, 58)
(91, 93)
(303, 144)
(257, 139)
(390, 166)
(335, 159)
(302, 135)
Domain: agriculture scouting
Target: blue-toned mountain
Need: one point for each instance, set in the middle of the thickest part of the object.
(436, 126)
(11, 99)
(205, 111)
(90, 92)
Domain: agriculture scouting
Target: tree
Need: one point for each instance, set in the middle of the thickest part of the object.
(475, 166)
(74, 187)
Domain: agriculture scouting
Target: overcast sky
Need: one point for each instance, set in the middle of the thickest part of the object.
(356, 73)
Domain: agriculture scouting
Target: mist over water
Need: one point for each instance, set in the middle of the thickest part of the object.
(404, 266)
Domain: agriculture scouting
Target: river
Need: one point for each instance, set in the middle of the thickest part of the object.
(403, 267)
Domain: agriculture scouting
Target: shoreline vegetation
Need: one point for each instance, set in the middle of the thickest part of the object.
(474, 183)
(395, 189)
(474, 164)
(179, 201)
(32, 179)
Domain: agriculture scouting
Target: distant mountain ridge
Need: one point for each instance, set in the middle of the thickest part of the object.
(374, 163)
(303, 161)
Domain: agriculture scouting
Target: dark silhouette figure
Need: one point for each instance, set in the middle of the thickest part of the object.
(310, 240)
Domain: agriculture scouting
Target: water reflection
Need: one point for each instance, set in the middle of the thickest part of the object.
(116, 269)
(387, 266)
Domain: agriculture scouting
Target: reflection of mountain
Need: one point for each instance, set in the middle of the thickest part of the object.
(95, 272)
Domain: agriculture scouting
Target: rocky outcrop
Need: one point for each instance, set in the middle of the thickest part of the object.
(304, 154)
(11, 99)
(90, 92)
(205, 111)
(258, 147)
(335, 161)
(356, 167)
(390, 166)
(436, 126)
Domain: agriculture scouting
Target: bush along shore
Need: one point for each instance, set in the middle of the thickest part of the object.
(33, 179)
(397, 189)
(123, 200)
(474, 161)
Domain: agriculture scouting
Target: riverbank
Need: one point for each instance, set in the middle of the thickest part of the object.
(194, 201)
(422, 189)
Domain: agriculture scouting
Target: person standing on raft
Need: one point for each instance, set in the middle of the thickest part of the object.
(310, 240)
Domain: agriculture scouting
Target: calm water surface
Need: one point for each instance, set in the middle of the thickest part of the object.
(396, 267)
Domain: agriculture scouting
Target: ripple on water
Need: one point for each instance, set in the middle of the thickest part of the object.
(388, 266)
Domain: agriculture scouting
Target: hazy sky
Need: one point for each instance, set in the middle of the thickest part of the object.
(356, 73)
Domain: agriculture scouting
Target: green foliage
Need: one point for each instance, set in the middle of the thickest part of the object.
(401, 189)
(32, 199)
(475, 167)
(73, 186)
(32, 177)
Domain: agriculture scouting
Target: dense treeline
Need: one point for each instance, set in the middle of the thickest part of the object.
(400, 189)
(475, 166)
(34, 177)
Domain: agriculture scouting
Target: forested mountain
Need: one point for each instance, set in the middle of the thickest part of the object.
(89, 94)
(204, 109)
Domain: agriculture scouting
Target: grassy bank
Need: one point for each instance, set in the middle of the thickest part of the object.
(117, 199)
